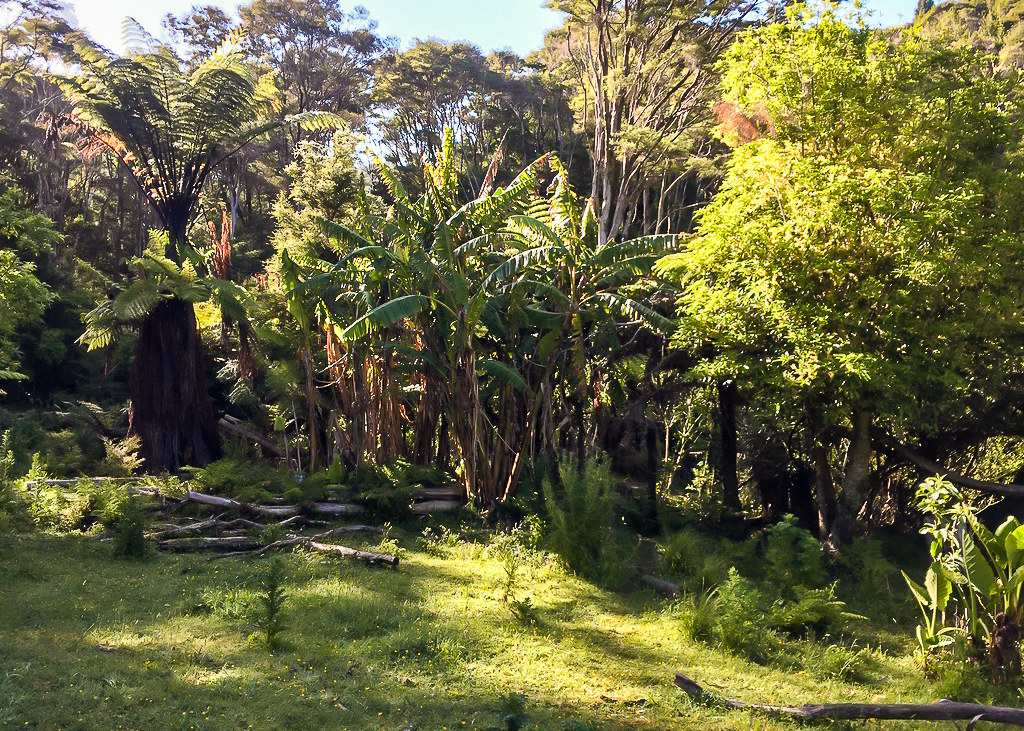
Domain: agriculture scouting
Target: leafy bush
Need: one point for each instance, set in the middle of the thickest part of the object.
(792, 556)
(811, 611)
(389, 490)
(695, 558)
(129, 538)
(741, 628)
(581, 523)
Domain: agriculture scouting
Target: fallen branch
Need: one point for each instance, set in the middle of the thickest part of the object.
(437, 506)
(231, 425)
(190, 528)
(941, 711)
(191, 545)
(314, 542)
(273, 511)
(370, 558)
(660, 585)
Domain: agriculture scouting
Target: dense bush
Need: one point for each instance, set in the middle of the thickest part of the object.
(582, 527)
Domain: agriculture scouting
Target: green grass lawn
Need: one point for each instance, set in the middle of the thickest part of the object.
(88, 641)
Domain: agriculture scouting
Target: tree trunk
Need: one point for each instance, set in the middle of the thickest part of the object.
(727, 396)
(858, 475)
(824, 488)
(171, 410)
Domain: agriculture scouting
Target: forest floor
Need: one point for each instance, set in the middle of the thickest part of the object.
(88, 641)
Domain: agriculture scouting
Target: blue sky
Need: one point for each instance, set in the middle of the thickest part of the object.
(491, 24)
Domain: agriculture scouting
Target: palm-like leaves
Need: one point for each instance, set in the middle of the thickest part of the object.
(494, 297)
(169, 127)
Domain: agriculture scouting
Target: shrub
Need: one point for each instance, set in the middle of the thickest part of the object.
(740, 627)
(389, 490)
(699, 616)
(129, 538)
(695, 558)
(811, 611)
(249, 481)
(581, 523)
(271, 597)
(792, 556)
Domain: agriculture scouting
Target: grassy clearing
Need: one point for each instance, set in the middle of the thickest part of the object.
(92, 642)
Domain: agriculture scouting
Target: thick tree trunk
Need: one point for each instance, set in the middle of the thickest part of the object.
(171, 410)
(858, 476)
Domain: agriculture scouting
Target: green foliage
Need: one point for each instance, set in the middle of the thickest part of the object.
(975, 571)
(874, 216)
(122, 457)
(698, 559)
(251, 481)
(389, 489)
(792, 556)
(24, 236)
(271, 597)
(79, 506)
(512, 712)
(877, 580)
(836, 662)
(582, 525)
(740, 627)
(129, 526)
(814, 612)
(699, 615)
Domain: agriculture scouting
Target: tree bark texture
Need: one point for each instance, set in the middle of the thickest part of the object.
(171, 410)
(855, 483)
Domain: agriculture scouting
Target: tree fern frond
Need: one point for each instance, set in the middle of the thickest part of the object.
(137, 301)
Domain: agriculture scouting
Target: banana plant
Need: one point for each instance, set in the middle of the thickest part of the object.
(980, 570)
(932, 599)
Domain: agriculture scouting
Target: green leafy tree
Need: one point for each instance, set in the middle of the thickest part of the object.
(172, 128)
(23, 298)
(863, 258)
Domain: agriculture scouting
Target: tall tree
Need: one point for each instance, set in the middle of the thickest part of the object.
(864, 258)
(171, 128)
(646, 73)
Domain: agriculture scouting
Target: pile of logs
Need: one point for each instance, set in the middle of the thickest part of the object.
(237, 530)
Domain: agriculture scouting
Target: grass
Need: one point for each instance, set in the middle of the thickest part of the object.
(88, 641)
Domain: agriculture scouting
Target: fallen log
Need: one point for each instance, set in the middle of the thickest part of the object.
(660, 585)
(332, 548)
(437, 506)
(273, 511)
(191, 545)
(440, 493)
(940, 711)
(368, 557)
(190, 528)
(345, 530)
